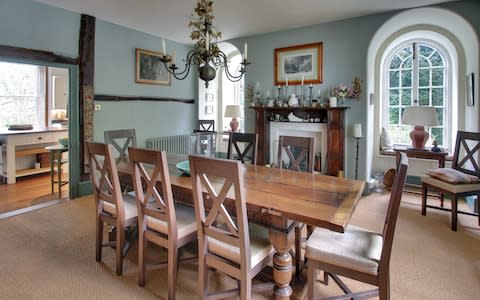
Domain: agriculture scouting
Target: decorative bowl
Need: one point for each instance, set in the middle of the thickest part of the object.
(63, 142)
(184, 167)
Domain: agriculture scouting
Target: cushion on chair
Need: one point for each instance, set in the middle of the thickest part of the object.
(452, 175)
(186, 223)
(260, 246)
(452, 188)
(129, 204)
(357, 248)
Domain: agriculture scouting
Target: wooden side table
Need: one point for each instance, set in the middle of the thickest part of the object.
(56, 152)
(425, 154)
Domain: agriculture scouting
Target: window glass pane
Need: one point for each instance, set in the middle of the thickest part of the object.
(437, 97)
(405, 52)
(407, 64)
(400, 134)
(437, 134)
(406, 97)
(424, 77)
(394, 79)
(406, 78)
(437, 77)
(393, 116)
(423, 97)
(394, 97)
(395, 64)
(425, 50)
(436, 59)
(440, 116)
(423, 63)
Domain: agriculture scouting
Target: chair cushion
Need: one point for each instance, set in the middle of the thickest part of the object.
(129, 204)
(452, 176)
(186, 223)
(260, 246)
(357, 249)
(452, 188)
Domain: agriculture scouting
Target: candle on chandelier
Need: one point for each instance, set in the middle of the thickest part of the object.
(164, 47)
(207, 41)
(245, 48)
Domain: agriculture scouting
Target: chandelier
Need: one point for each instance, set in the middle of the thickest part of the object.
(205, 56)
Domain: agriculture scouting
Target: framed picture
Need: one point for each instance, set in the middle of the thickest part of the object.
(208, 109)
(149, 69)
(292, 64)
(208, 97)
(470, 90)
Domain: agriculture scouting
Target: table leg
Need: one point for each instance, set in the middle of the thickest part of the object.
(282, 260)
(59, 173)
(52, 182)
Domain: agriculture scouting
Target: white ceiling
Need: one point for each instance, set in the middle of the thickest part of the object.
(234, 18)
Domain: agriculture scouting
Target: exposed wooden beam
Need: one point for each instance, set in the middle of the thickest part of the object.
(32, 54)
(140, 98)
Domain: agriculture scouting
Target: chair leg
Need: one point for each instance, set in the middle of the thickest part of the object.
(202, 276)
(245, 288)
(99, 239)
(424, 199)
(384, 287)
(454, 212)
(172, 271)
(119, 248)
(142, 249)
(312, 276)
(478, 207)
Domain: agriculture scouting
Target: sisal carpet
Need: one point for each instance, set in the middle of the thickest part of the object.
(49, 254)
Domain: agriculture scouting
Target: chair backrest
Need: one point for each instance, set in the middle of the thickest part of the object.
(392, 211)
(220, 180)
(151, 180)
(466, 153)
(299, 151)
(245, 145)
(121, 139)
(104, 177)
(205, 125)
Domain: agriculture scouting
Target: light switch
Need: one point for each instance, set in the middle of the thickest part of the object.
(98, 107)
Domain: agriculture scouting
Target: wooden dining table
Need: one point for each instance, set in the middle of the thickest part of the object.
(278, 199)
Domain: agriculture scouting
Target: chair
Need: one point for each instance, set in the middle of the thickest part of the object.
(300, 153)
(358, 253)
(233, 247)
(459, 181)
(205, 125)
(160, 220)
(122, 139)
(112, 207)
(249, 142)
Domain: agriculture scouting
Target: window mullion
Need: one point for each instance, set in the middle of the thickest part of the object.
(415, 73)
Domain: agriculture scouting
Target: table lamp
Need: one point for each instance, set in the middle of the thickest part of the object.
(419, 116)
(233, 111)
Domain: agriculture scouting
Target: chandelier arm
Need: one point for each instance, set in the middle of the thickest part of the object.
(222, 58)
(184, 73)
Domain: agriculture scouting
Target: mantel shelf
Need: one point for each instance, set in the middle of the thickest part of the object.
(307, 109)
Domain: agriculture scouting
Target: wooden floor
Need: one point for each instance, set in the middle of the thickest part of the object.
(29, 191)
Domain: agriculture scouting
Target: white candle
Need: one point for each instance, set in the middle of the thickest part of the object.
(268, 93)
(311, 85)
(303, 77)
(164, 47)
(357, 131)
(245, 48)
(286, 80)
(207, 41)
(319, 92)
(332, 101)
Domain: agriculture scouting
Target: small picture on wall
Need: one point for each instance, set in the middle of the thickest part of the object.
(208, 97)
(208, 109)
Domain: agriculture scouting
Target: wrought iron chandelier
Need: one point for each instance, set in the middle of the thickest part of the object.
(205, 55)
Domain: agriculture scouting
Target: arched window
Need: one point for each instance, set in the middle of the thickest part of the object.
(417, 73)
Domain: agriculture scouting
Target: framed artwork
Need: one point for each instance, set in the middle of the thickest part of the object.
(149, 69)
(470, 90)
(298, 64)
(208, 109)
(208, 97)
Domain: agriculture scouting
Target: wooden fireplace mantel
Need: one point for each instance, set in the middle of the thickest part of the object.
(334, 117)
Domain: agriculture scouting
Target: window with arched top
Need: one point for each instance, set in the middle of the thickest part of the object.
(417, 74)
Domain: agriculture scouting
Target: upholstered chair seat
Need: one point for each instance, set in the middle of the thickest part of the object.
(452, 188)
(129, 205)
(186, 223)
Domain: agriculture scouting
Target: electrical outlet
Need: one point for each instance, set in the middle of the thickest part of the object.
(98, 107)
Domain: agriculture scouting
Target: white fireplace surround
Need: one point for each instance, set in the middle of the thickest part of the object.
(316, 130)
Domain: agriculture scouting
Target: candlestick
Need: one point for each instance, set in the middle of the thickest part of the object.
(278, 94)
(310, 94)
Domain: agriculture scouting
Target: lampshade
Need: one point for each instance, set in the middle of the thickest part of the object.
(420, 116)
(233, 110)
(357, 131)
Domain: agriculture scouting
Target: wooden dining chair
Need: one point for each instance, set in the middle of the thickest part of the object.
(461, 180)
(245, 145)
(112, 207)
(357, 253)
(300, 154)
(122, 139)
(233, 247)
(160, 220)
(205, 125)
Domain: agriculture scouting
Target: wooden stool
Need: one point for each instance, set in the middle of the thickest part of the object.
(56, 152)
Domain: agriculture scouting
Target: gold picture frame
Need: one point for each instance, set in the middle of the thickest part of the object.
(297, 62)
(149, 69)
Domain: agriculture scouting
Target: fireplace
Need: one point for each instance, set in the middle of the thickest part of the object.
(315, 130)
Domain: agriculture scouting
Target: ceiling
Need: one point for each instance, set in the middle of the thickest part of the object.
(234, 18)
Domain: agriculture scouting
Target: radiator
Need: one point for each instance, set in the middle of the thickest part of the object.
(175, 144)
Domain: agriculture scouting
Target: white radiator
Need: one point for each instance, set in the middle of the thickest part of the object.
(175, 144)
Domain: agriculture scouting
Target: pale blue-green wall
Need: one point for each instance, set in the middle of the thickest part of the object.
(115, 74)
(345, 45)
